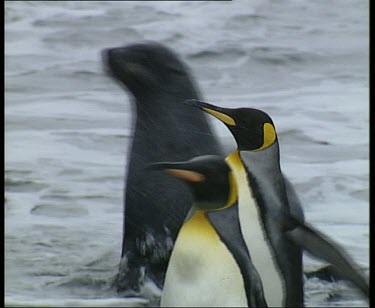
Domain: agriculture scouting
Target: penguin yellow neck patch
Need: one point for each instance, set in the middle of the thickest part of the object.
(221, 116)
(234, 160)
(187, 175)
(269, 136)
(232, 190)
(233, 193)
(198, 224)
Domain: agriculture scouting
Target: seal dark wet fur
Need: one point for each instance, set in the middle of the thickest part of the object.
(165, 129)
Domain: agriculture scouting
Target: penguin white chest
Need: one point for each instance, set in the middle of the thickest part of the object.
(201, 271)
(256, 238)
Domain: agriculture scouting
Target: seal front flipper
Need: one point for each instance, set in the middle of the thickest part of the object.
(319, 246)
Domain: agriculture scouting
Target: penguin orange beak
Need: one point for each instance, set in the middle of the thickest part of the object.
(178, 170)
(218, 112)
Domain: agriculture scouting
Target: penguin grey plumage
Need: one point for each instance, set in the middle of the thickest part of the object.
(257, 162)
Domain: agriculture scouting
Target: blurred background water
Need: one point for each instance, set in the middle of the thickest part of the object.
(67, 126)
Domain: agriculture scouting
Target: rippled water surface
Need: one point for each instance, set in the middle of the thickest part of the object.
(67, 126)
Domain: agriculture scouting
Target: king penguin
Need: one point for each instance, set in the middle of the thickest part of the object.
(210, 265)
(264, 192)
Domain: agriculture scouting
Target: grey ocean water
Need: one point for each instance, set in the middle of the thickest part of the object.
(67, 126)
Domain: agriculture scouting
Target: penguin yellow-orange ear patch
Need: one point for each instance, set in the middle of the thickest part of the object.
(269, 136)
(221, 116)
(186, 175)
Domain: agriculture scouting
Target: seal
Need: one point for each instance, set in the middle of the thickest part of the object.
(155, 204)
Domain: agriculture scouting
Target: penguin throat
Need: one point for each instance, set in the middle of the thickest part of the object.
(198, 224)
(207, 206)
(234, 160)
(232, 198)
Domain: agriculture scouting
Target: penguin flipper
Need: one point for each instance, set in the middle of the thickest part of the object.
(295, 207)
(321, 247)
(227, 225)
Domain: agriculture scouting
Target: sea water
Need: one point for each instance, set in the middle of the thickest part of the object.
(68, 126)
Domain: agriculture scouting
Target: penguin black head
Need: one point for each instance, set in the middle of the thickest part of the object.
(208, 177)
(253, 129)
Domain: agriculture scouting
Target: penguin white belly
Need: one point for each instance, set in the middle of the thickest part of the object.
(201, 271)
(255, 237)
